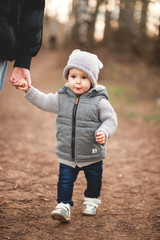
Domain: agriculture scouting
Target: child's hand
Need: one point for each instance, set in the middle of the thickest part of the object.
(23, 85)
(100, 137)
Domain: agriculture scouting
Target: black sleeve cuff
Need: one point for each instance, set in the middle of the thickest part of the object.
(23, 61)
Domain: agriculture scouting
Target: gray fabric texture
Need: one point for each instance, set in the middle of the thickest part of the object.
(87, 122)
(86, 62)
(50, 103)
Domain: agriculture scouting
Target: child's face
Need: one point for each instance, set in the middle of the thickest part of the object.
(78, 81)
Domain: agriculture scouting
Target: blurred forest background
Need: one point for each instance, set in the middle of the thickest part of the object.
(121, 30)
(125, 34)
(121, 25)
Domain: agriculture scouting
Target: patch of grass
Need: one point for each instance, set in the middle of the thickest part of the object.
(116, 67)
(122, 94)
(116, 92)
(129, 115)
(132, 115)
(152, 117)
(129, 100)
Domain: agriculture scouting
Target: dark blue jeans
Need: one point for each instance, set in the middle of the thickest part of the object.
(68, 175)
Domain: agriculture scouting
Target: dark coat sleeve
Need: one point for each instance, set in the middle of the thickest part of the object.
(29, 32)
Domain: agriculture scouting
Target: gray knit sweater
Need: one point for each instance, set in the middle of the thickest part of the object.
(49, 103)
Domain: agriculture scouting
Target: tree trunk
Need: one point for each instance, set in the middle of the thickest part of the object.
(107, 28)
(125, 36)
(82, 14)
(126, 19)
(93, 23)
(144, 17)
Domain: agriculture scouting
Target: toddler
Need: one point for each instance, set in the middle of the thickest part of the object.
(85, 120)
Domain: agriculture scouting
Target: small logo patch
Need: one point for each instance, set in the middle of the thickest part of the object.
(94, 150)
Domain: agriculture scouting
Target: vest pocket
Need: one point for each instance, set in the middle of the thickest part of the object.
(89, 153)
(63, 135)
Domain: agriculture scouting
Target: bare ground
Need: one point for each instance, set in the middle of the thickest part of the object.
(130, 208)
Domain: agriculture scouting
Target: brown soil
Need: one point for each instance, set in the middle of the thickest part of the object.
(130, 208)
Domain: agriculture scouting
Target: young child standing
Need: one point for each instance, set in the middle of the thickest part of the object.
(85, 120)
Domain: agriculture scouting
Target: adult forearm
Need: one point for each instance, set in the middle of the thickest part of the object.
(29, 32)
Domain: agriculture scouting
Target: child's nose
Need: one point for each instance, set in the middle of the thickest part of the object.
(78, 80)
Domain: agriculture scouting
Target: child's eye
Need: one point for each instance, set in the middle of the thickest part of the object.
(73, 76)
(83, 77)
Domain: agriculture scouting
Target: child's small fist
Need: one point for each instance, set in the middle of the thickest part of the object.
(100, 137)
(23, 85)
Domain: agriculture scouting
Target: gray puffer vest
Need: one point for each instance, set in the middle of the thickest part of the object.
(76, 123)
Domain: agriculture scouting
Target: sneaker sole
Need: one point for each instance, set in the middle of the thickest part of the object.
(60, 218)
(88, 214)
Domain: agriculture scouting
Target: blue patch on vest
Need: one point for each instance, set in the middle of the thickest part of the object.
(100, 93)
(63, 90)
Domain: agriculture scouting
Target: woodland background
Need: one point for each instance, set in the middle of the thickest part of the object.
(126, 37)
(120, 25)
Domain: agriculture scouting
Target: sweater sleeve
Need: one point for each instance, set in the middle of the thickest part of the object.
(29, 34)
(108, 118)
(46, 102)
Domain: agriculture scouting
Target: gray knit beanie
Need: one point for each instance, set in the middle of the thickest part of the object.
(86, 62)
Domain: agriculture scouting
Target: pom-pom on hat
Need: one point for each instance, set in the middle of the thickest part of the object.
(86, 62)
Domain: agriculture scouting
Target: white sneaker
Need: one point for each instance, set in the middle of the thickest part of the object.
(62, 212)
(90, 206)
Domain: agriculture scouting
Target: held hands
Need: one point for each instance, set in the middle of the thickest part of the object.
(100, 137)
(19, 73)
(22, 85)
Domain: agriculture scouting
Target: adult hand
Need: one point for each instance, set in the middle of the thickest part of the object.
(19, 73)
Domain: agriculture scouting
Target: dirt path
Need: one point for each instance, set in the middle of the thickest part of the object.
(130, 208)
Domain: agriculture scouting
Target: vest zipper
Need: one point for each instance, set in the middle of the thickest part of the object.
(74, 127)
